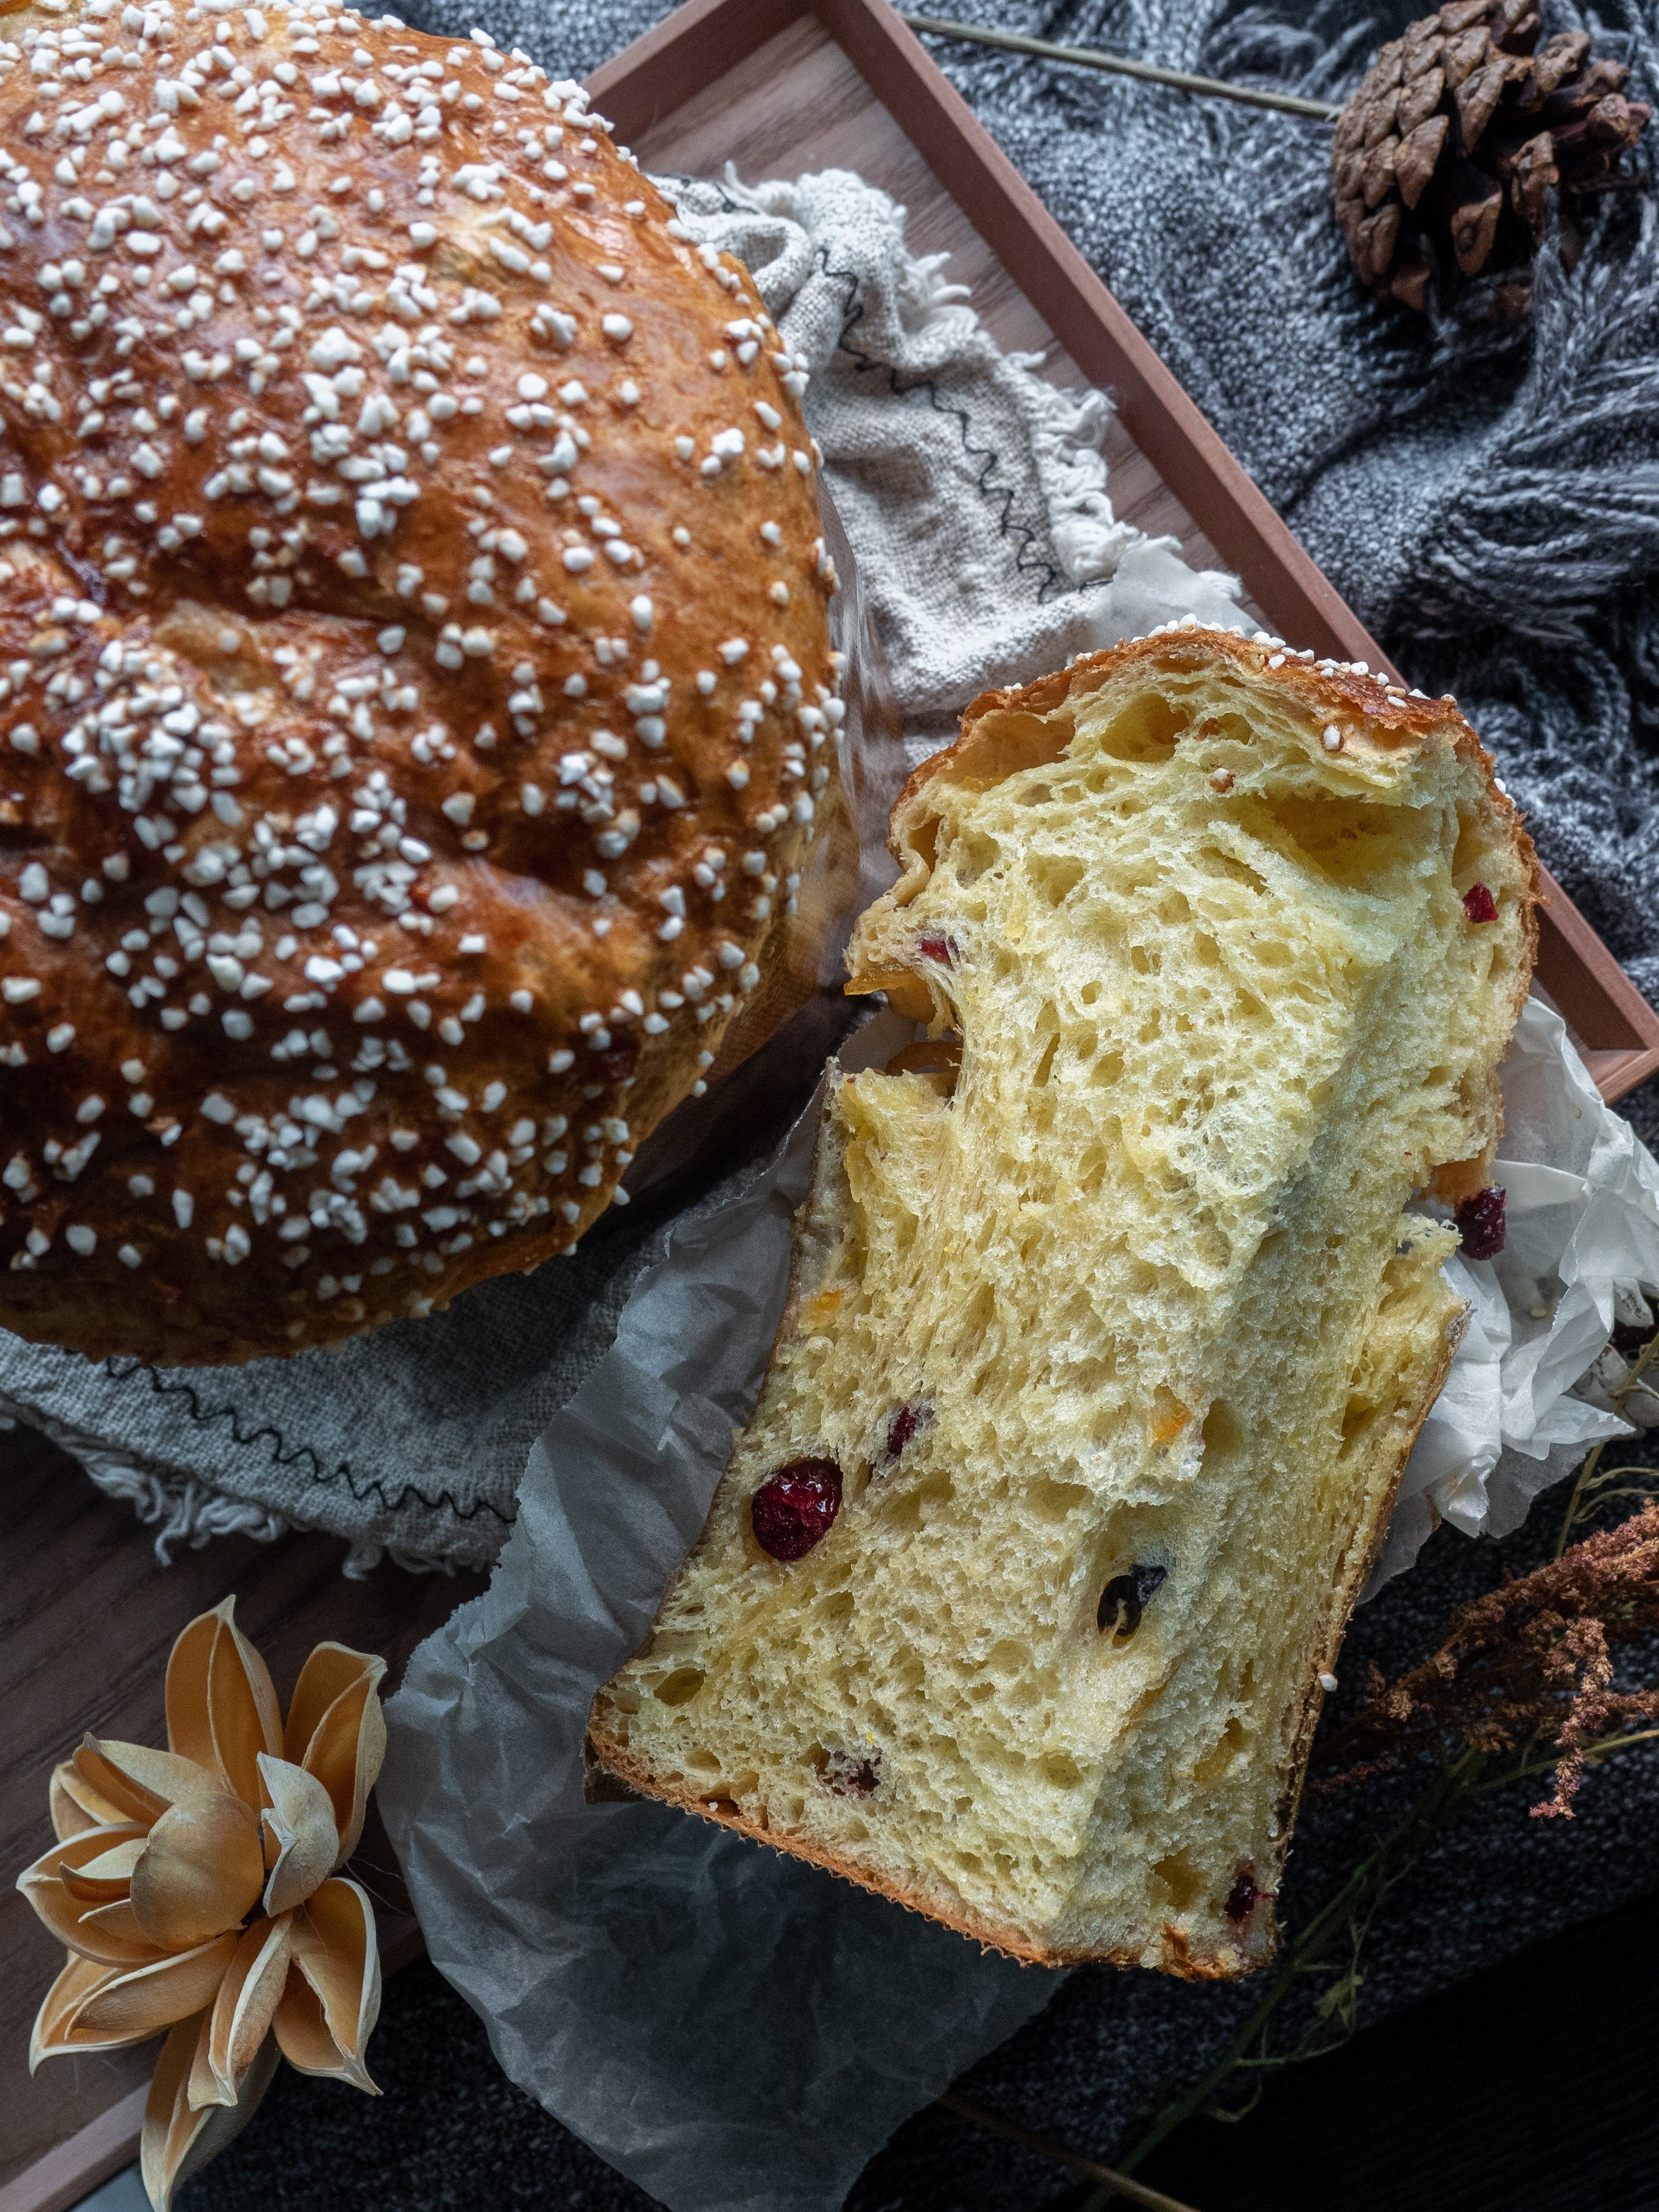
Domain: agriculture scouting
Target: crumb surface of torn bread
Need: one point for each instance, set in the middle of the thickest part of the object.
(1110, 1332)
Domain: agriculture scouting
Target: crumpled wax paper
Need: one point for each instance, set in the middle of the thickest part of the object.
(1582, 1248)
(736, 2031)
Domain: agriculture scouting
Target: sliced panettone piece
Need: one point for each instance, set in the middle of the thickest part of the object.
(1099, 1369)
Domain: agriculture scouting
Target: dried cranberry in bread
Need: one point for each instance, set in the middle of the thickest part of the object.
(415, 690)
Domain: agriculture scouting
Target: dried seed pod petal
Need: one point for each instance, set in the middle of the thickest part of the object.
(337, 1732)
(173, 2117)
(1390, 65)
(112, 1931)
(179, 2137)
(75, 1805)
(335, 1949)
(139, 1781)
(221, 1708)
(201, 1872)
(131, 2002)
(247, 2004)
(62, 1900)
(102, 1879)
(301, 1819)
(301, 2032)
(55, 2029)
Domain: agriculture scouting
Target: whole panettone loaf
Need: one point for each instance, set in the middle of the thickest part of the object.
(1099, 1369)
(415, 690)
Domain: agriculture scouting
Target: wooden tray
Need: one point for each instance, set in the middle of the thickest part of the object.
(780, 88)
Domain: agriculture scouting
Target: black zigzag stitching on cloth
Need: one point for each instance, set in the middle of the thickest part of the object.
(284, 1455)
(1002, 495)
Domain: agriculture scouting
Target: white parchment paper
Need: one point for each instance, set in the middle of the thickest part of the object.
(1581, 1251)
(738, 2031)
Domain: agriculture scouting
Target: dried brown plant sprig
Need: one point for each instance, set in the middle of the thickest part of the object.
(1528, 1666)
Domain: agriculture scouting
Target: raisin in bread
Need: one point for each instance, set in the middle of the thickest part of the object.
(1100, 1366)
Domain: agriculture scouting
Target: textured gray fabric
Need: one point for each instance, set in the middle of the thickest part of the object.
(409, 1440)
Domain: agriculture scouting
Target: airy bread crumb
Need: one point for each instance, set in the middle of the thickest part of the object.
(1119, 1342)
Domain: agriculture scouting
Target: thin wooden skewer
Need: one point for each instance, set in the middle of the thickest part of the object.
(1057, 2155)
(1288, 103)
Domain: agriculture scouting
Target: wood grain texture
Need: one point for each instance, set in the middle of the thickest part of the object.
(87, 1616)
(72, 2169)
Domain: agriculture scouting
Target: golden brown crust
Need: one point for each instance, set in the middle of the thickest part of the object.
(618, 1759)
(1369, 709)
(1005, 731)
(1363, 1555)
(381, 467)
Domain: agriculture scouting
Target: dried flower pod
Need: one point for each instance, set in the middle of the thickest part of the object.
(199, 1894)
(1444, 158)
(1530, 1663)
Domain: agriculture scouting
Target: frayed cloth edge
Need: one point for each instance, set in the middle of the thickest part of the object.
(187, 1513)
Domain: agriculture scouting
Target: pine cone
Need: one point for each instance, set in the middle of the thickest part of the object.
(1444, 158)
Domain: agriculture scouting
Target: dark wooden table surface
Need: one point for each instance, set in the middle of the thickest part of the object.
(88, 1615)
